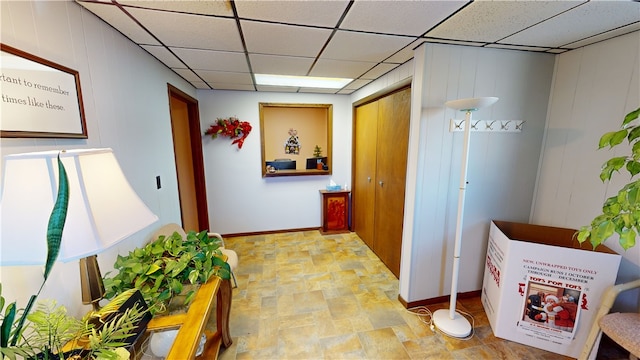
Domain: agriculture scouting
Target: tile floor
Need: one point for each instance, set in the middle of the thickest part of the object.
(302, 295)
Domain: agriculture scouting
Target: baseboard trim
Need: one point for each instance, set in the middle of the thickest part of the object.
(437, 300)
(270, 232)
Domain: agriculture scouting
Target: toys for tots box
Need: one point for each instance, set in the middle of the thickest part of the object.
(541, 289)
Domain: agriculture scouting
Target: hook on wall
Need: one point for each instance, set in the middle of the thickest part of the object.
(488, 125)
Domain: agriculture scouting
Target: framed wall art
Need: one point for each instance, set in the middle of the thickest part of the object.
(40, 99)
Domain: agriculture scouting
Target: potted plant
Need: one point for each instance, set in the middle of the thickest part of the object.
(620, 213)
(162, 268)
(43, 333)
(317, 151)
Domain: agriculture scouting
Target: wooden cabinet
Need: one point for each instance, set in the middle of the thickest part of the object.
(335, 211)
(381, 137)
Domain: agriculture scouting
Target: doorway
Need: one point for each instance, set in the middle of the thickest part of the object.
(187, 147)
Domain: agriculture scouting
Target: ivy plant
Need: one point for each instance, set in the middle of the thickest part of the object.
(620, 213)
(161, 268)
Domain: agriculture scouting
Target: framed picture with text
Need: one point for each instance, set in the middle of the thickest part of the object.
(40, 99)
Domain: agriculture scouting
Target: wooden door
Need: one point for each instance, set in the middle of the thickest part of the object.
(364, 178)
(187, 146)
(391, 168)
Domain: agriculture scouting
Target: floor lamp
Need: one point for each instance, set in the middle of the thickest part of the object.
(449, 321)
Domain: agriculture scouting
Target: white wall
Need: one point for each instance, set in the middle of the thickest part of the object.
(594, 88)
(240, 200)
(502, 166)
(126, 104)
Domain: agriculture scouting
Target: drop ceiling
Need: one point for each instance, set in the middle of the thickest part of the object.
(215, 44)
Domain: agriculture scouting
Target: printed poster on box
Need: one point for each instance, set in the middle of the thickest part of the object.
(542, 291)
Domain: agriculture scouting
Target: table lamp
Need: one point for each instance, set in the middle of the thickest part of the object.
(103, 210)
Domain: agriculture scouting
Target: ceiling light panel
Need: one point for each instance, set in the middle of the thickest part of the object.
(301, 81)
(213, 60)
(568, 27)
(279, 39)
(284, 89)
(354, 46)
(200, 32)
(221, 8)
(118, 19)
(315, 13)
(272, 64)
(382, 16)
(490, 21)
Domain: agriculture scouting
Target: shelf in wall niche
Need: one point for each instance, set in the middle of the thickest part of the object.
(511, 126)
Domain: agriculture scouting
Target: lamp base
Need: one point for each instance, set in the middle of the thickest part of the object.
(458, 327)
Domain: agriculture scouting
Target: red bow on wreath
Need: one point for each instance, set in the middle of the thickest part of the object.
(231, 127)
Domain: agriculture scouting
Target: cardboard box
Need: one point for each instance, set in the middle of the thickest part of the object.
(541, 288)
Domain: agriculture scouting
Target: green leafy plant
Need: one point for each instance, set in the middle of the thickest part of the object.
(317, 151)
(620, 213)
(161, 268)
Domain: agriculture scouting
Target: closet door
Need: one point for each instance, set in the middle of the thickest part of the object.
(391, 168)
(363, 192)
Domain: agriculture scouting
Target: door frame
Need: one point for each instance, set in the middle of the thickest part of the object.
(196, 153)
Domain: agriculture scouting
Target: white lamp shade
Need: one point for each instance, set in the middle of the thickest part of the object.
(471, 104)
(103, 208)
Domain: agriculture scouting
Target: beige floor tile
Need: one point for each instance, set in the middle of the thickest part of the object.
(302, 296)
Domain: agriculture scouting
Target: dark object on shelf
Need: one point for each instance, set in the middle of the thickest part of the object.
(282, 164)
(312, 163)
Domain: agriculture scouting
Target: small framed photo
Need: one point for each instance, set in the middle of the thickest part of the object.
(40, 99)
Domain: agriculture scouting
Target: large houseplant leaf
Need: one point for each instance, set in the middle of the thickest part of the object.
(54, 237)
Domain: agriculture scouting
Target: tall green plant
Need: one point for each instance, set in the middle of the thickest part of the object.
(620, 213)
(10, 332)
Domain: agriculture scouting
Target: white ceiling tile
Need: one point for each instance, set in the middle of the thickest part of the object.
(517, 47)
(161, 53)
(357, 84)
(607, 35)
(354, 46)
(490, 21)
(384, 16)
(378, 71)
(231, 86)
(557, 51)
(279, 39)
(280, 65)
(454, 42)
(225, 77)
(200, 32)
(200, 85)
(285, 36)
(119, 20)
(187, 74)
(215, 7)
(317, 13)
(213, 60)
(405, 54)
(568, 27)
(339, 68)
